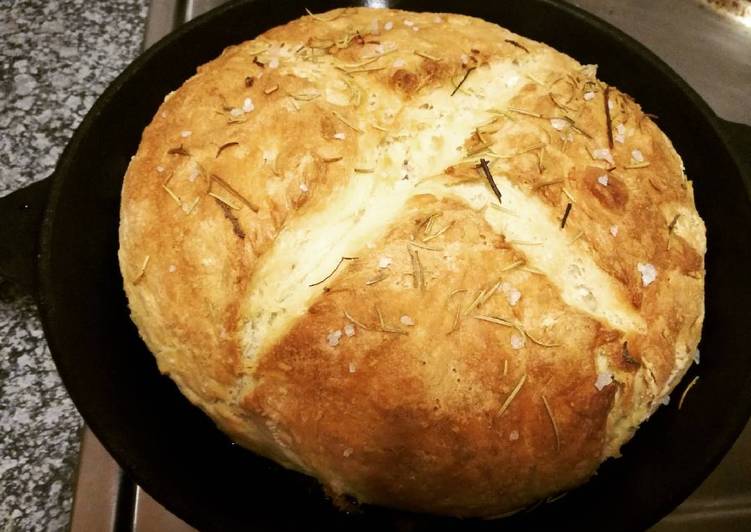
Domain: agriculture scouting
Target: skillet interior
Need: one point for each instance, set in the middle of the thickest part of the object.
(175, 452)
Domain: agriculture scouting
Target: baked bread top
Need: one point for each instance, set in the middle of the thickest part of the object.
(428, 261)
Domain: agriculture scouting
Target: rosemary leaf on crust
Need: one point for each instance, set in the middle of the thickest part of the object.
(512, 395)
(342, 259)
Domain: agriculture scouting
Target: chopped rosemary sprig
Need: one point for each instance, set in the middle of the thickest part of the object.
(346, 123)
(439, 232)
(565, 215)
(457, 320)
(356, 322)
(377, 279)
(513, 394)
(224, 147)
(173, 195)
(491, 181)
(226, 186)
(671, 228)
(427, 56)
(683, 395)
(608, 119)
(525, 112)
(224, 201)
(552, 421)
(516, 44)
(548, 183)
(334, 270)
(142, 271)
(493, 319)
(387, 328)
(466, 74)
(418, 277)
(627, 356)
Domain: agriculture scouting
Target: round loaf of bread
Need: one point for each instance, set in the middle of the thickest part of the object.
(434, 264)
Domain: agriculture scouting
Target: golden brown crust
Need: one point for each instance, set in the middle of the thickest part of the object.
(313, 254)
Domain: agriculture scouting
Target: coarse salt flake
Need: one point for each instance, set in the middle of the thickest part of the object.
(185, 134)
(352, 367)
(603, 379)
(388, 26)
(274, 63)
(236, 112)
(637, 156)
(347, 452)
(194, 173)
(512, 294)
(511, 81)
(603, 154)
(333, 338)
(172, 268)
(248, 105)
(665, 401)
(513, 435)
(614, 230)
(160, 168)
(415, 28)
(409, 23)
(303, 187)
(648, 273)
(603, 180)
(384, 262)
(558, 123)
(340, 136)
(517, 341)
(399, 63)
(620, 134)
(696, 357)
(611, 105)
(349, 330)
(589, 95)
(406, 320)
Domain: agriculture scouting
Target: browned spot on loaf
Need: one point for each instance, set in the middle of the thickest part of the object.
(605, 335)
(229, 215)
(613, 196)
(430, 67)
(404, 81)
(328, 128)
(636, 296)
(435, 72)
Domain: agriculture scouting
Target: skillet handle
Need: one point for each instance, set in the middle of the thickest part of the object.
(21, 214)
(738, 138)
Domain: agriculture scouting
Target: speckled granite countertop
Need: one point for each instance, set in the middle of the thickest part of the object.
(56, 58)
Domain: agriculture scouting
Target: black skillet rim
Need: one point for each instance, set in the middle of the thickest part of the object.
(44, 272)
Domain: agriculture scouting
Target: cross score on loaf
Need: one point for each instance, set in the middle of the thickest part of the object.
(313, 251)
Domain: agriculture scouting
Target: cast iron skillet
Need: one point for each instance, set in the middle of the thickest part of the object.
(175, 452)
